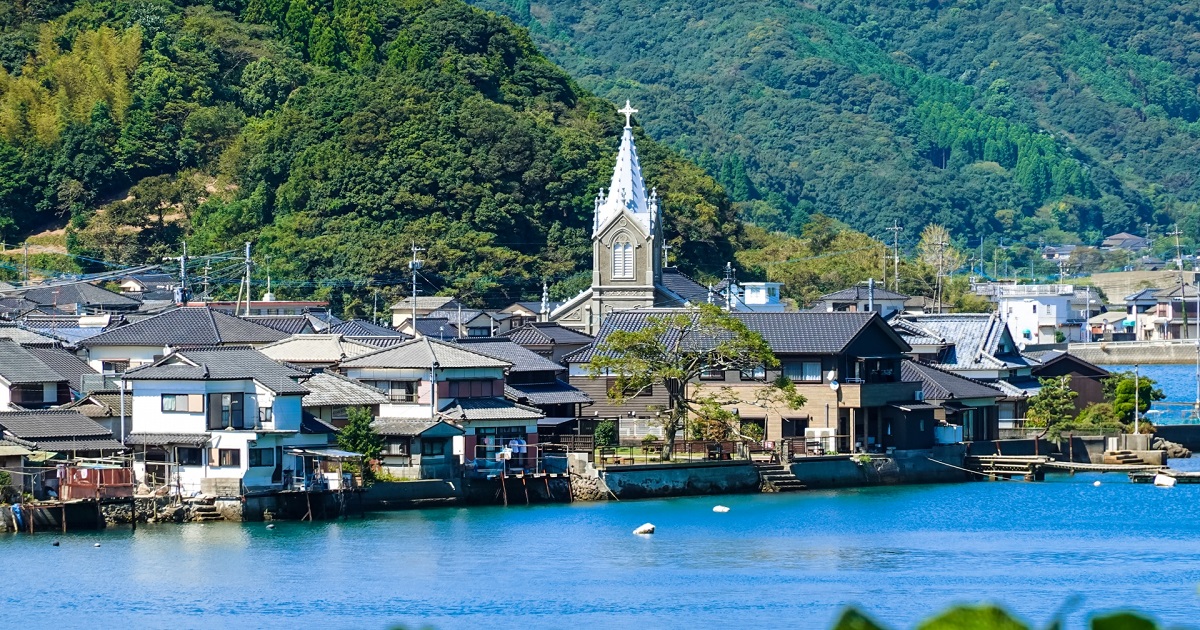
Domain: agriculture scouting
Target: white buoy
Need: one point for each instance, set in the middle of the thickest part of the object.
(1096, 483)
(1164, 481)
(648, 528)
(96, 545)
(271, 526)
(721, 509)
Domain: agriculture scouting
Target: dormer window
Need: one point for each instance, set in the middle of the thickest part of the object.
(622, 259)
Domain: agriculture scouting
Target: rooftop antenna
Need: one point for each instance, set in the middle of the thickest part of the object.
(729, 288)
(545, 302)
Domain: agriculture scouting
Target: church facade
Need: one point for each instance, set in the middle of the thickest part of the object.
(629, 265)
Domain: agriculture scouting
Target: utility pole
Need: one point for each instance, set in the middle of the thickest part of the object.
(25, 266)
(248, 268)
(182, 294)
(895, 230)
(414, 265)
(1182, 292)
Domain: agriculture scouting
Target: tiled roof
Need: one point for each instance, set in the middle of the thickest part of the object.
(421, 353)
(316, 349)
(914, 334)
(187, 326)
(329, 389)
(80, 293)
(312, 425)
(808, 332)
(436, 327)
(534, 307)
(623, 320)
(975, 338)
(222, 364)
(521, 358)
(19, 366)
(290, 324)
(455, 315)
(861, 293)
(56, 424)
(403, 427)
(1143, 295)
(682, 285)
(545, 334)
(363, 328)
(468, 409)
(103, 404)
(558, 393)
(942, 385)
(423, 302)
(64, 363)
(166, 439)
(22, 334)
(66, 445)
(380, 342)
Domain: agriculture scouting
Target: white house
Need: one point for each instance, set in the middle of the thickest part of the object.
(861, 298)
(222, 421)
(468, 392)
(118, 349)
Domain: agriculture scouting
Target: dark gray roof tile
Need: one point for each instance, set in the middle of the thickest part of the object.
(187, 326)
(223, 364)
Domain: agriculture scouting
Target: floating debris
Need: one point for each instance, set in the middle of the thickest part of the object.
(55, 543)
(1164, 481)
(648, 528)
(1096, 483)
(271, 526)
(721, 509)
(96, 545)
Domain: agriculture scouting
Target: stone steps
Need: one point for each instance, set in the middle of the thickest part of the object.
(206, 513)
(777, 478)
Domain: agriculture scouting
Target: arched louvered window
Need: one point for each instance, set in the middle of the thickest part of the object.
(622, 259)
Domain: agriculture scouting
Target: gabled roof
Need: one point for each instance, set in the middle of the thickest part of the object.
(547, 334)
(915, 334)
(363, 328)
(223, 363)
(23, 334)
(861, 293)
(684, 286)
(469, 409)
(424, 302)
(942, 385)
(20, 367)
(531, 307)
(65, 364)
(421, 353)
(436, 327)
(627, 321)
(329, 389)
(290, 324)
(102, 404)
(80, 293)
(1188, 291)
(56, 424)
(316, 349)
(814, 333)
(187, 326)
(1147, 295)
(410, 427)
(457, 316)
(522, 359)
(558, 393)
(1050, 358)
(977, 340)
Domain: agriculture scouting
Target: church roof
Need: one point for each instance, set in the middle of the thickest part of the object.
(627, 189)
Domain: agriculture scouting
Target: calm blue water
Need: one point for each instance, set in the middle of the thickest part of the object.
(1178, 382)
(773, 561)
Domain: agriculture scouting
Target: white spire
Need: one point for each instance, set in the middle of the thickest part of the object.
(627, 190)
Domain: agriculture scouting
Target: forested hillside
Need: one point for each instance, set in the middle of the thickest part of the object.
(1055, 122)
(333, 134)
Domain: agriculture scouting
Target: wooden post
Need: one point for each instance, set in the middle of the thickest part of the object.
(63, 505)
(525, 486)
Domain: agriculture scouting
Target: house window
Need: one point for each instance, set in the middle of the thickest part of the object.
(477, 331)
(433, 448)
(261, 457)
(397, 391)
(266, 414)
(182, 403)
(397, 447)
(712, 373)
(226, 411)
(622, 259)
(805, 372)
(471, 389)
(338, 413)
(114, 367)
(227, 457)
(758, 373)
(611, 386)
(189, 456)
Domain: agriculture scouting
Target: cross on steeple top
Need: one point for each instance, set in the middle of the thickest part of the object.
(629, 111)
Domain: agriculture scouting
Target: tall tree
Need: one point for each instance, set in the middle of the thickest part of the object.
(1053, 404)
(937, 251)
(670, 352)
(359, 436)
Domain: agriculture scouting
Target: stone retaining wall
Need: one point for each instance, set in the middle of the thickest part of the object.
(670, 480)
(1131, 352)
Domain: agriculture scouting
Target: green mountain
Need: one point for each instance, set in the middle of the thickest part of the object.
(332, 134)
(1058, 122)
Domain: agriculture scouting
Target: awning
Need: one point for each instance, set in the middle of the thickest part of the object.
(323, 451)
(913, 406)
(167, 439)
(553, 422)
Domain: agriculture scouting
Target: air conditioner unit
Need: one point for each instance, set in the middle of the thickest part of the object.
(823, 435)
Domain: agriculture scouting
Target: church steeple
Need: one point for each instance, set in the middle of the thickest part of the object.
(627, 191)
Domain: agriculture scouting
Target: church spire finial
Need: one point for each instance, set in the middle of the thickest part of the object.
(629, 111)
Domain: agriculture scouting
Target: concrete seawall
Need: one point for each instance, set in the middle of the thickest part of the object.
(902, 467)
(1139, 352)
(672, 480)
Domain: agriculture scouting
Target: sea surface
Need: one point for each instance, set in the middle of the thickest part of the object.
(1062, 548)
(1178, 382)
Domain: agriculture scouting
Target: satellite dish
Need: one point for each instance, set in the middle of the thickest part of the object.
(1021, 346)
(834, 385)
